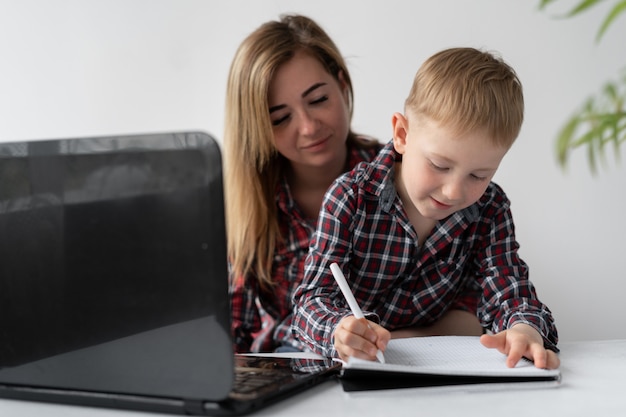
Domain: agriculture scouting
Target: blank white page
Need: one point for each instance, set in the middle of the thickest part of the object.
(447, 355)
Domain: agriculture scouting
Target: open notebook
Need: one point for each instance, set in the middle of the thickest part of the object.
(443, 361)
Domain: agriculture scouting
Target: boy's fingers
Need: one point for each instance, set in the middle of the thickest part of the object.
(545, 358)
(515, 354)
(360, 327)
(346, 351)
(352, 338)
(496, 341)
(382, 336)
(553, 360)
(515, 348)
(539, 355)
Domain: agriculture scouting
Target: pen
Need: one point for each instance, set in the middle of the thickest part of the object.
(345, 289)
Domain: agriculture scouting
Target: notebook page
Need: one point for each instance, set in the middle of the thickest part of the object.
(447, 355)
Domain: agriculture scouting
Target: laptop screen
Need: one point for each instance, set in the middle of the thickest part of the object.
(114, 275)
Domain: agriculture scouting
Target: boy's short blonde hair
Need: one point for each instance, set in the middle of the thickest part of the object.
(466, 89)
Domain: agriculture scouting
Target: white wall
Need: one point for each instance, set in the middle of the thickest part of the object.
(89, 67)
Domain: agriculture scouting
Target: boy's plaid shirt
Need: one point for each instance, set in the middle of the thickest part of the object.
(363, 227)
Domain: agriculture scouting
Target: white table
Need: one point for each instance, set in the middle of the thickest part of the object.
(593, 385)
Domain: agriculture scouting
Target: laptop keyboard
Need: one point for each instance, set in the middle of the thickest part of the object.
(249, 380)
(257, 376)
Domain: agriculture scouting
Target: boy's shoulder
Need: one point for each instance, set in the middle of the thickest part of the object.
(494, 197)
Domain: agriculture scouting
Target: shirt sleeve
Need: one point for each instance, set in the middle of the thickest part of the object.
(318, 302)
(245, 316)
(509, 296)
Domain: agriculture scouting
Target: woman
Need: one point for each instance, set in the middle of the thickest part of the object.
(287, 137)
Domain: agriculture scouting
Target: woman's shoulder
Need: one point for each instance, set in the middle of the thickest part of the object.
(363, 149)
(367, 142)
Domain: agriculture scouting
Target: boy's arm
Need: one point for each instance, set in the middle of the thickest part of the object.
(314, 318)
(509, 297)
(318, 303)
(317, 307)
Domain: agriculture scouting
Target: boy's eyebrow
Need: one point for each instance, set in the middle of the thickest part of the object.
(448, 160)
(303, 95)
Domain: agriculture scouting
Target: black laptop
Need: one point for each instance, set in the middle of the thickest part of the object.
(113, 280)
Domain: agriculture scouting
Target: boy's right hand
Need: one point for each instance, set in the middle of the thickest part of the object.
(360, 338)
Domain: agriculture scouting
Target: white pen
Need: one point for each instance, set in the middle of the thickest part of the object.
(354, 306)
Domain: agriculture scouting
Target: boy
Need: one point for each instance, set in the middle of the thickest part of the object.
(422, 225)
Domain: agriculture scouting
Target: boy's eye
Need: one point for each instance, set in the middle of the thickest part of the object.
(478, 178)
(438, 167)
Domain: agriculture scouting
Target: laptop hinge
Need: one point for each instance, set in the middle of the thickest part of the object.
(194, 407)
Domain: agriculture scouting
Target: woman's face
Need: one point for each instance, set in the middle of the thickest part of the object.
(308, 111)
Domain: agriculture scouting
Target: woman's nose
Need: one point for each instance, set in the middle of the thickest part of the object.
(308, 124)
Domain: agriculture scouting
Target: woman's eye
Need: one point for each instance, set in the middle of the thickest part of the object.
(320, 100)
(276, 122)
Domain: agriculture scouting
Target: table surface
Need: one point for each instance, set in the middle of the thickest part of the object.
(593, 383)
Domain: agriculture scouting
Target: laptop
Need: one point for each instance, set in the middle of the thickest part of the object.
(114, 280)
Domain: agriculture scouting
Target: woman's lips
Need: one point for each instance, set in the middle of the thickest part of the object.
(316, 144)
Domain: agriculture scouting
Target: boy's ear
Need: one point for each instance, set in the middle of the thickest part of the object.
(400, 126)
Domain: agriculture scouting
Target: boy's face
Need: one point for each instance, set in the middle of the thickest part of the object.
(442, 172)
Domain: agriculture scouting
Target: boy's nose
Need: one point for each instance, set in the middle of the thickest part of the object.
(453, 190)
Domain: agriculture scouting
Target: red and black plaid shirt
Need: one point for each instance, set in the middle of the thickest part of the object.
(261, 320)
(472, 254)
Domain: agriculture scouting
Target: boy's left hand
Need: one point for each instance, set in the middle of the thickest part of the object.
(519, 341)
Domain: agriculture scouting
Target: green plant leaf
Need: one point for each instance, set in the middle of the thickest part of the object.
(582, 6)
(615, 11)
(544, 3)
(563, 144)
(591, 159)
(611, 91)
(602, 119)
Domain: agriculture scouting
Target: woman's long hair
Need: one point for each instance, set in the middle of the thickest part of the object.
(251, 163)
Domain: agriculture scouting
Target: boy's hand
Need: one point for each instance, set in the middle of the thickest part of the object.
(360, 338)
(522, 340)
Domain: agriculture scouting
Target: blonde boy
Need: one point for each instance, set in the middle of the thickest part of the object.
(423, 225)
